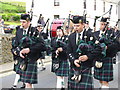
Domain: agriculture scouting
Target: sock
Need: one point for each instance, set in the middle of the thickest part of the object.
(63, 83)
(60, 83)
(103, 86)
(17, 77)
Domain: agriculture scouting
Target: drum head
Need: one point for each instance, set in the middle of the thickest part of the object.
(61, 22)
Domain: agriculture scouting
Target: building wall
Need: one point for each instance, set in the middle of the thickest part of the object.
(119, 14)
(48, 10)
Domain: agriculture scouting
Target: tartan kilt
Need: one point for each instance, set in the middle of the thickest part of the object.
(105, 73)
(63, 70)
(30, 75)
(86, 82)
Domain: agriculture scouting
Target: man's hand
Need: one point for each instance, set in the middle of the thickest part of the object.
(76, 62)
(83, 58)
(60, 49)
(24, 51)
(57, 52)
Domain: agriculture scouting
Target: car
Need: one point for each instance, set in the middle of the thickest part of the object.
(9, 28)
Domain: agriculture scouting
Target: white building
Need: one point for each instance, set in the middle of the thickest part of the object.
(62, 8)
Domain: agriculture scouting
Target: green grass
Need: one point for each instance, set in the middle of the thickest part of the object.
(14, 2)
(9, 7)
(12, 23)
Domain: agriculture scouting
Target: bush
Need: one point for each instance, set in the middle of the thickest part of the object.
(16, 18)
(11, 17)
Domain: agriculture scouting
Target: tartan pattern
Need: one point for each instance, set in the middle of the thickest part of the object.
(30, 75)
(106, 72)
(63, 70)
(86, 82)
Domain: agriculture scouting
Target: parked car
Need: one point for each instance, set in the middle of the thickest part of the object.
(9, 28)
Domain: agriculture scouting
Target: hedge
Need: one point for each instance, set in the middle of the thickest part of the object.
(11, 17)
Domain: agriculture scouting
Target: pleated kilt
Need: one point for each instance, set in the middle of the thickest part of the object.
(30, 75)
(105, 73)
(63, 70)
(86, 82)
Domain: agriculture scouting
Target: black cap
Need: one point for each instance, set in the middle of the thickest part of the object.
(78, 19)
(103, 19)
(59, 27)
(25, 17)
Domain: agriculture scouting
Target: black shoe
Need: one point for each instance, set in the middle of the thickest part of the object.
(23, 86)
(13, 88)
(43, 69)
(62, 89)
(114, 60)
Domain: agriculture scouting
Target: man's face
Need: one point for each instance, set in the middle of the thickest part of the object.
(102, 25)
(59, 32)
(86, 25)
(25, 24)
(78, 27)
(39, 28)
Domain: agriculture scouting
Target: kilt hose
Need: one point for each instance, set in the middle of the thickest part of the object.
(63, 70)
(86, 82)
(30, 75)
(105, 73)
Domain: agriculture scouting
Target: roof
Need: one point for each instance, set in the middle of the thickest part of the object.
(113, 1)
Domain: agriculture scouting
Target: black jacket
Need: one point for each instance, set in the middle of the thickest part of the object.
(34, 49)
(72, 47)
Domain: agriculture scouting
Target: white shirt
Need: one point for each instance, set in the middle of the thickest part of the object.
(80, 36)
(101, 32)
(26, 30)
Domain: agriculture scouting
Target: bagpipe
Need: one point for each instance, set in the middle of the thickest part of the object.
(85, 47)
(27, 41)
(56, 61)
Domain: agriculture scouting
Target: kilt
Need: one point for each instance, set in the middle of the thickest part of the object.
(30, 75)
(86, 82)
(105, 73)
(63, 70)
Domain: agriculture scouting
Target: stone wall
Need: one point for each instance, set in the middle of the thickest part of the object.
(5, 48)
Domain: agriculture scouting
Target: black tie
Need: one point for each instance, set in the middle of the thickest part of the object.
(24, 32)
(78, 38)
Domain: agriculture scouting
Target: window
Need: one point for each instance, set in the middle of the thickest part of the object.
(94, 4)
(103, 6)
(56, 3)
(84, 3)
(56, 16)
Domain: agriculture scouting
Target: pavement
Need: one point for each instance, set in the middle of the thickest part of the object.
(7, 67)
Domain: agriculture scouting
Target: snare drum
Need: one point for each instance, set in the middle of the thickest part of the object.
(60, 22)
